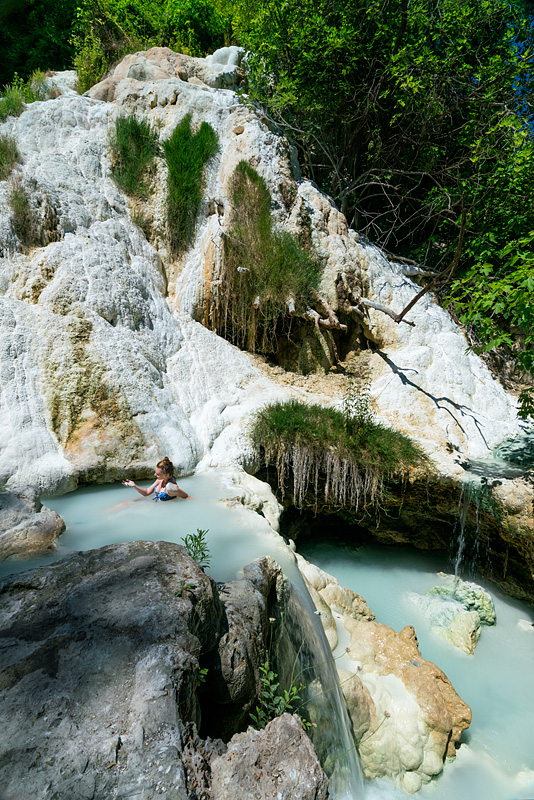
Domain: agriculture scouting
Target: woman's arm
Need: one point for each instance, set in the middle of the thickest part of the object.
(140, 489)
(174, 490)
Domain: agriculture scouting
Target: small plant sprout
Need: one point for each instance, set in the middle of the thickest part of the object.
(197, 547)
(202, 674)
(273, 701)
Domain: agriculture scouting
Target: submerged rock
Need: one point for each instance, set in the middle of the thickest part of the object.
(27, 528)
(456, 611)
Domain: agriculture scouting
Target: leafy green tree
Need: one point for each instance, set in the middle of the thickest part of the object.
(95, 33)
(414, 117)
(34, 34)
(398, 108)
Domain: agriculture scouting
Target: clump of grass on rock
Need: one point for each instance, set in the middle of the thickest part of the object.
(11, 103)
(134, 146)
(24, 221)
(266, 270)
(9, 156)
(187, 153)
(349, 465)
(15, 94)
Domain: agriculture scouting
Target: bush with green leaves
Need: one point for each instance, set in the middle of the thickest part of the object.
(274, 701)
(346, 466)
(496, 302)
(134, 146)
(89, 62)
(265, 269)
(103, 31)
(9, 155)
(357, 398)
(187, 154)
(197, 547)
(410, 114)
(19, 92)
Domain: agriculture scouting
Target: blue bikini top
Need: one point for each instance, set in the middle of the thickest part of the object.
(163, 495)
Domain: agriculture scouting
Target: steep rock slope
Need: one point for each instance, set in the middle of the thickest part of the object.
(103, 366)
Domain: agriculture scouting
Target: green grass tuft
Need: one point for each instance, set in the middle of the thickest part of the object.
(9, 155)
(187, 154)
(264, 269)
(24, 222)
(12, 102)
(134, 146)
(348, 468)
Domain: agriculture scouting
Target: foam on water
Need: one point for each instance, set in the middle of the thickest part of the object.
(496, 759)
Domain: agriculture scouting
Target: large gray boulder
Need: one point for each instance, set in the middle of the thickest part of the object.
(101, 694)
(27, 528)
(100, 657)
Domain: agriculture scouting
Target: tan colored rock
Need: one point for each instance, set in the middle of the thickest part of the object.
(516, 502)
(220, 70)
(417, 715)
(405, 714)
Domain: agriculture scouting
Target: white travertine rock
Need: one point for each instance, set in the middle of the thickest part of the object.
(425, 383)
(101, 321)
(456, 611)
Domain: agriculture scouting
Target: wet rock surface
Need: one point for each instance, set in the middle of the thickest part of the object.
(27, 528)
(100, 656)
(456, 611)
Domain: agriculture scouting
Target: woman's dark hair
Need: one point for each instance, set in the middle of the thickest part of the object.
(166, 466)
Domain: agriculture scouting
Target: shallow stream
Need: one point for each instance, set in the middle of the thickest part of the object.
(497, 760)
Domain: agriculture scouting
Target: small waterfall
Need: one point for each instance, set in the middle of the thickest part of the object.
(304, 656)
(471, 551)
(463, 507)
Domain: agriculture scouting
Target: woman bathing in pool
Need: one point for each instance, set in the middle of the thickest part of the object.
(165, 486)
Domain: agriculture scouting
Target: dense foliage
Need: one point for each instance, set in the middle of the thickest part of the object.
(95, 33)
(264, 269)
(401, 108)
(415, 117)
(187, 154)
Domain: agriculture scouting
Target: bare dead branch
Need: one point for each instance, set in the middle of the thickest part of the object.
(377, 307)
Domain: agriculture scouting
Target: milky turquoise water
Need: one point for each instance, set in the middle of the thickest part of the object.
(102, 515)
(99, 515)
(496, 761)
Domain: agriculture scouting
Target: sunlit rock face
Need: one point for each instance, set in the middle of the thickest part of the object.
(404, 711)
(100, 372)
(99, 681)
(425, 380)
(104, 365)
